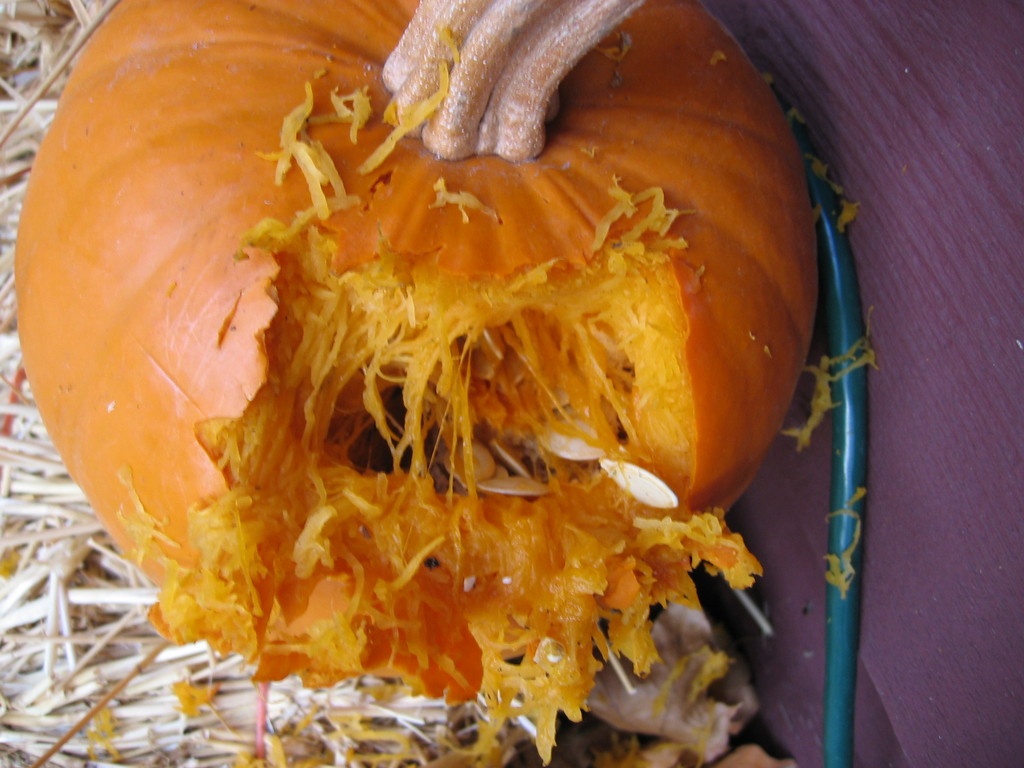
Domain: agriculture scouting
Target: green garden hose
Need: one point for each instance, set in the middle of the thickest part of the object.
(846, 334)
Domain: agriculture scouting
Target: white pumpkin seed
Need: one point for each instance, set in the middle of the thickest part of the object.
(643, 485)
(492, 345)
(560, 398)
(516, 369)
(513, 486)
(572, 446)
(484, 465)
(510, 460)
(483, 367)
(484, 461)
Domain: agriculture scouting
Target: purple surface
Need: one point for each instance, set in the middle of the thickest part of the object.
(918, 107)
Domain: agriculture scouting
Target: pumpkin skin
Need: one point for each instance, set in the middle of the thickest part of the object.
(139, 322)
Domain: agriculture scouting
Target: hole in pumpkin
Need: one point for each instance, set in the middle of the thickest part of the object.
(393, 368)
(367, 448)
(526, 427)
(533, 423)
(464, 420)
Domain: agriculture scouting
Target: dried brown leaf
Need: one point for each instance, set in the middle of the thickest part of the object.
(695, 698)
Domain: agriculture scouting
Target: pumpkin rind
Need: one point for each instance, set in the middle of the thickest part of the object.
(142, 318)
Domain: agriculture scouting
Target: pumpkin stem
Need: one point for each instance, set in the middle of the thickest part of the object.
(504, 74)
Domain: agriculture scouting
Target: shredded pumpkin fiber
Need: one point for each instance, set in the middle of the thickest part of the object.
(395, 501)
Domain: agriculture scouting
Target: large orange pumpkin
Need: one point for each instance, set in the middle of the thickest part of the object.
(277, 411)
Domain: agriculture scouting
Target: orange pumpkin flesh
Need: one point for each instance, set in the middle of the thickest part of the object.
(224, 393)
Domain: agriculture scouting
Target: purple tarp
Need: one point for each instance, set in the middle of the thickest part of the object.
(918, 108)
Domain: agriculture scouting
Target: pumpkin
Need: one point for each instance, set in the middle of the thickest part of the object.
(457, 421)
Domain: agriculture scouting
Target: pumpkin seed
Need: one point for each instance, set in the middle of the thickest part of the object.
(483, 367)
(492, 345)
(572, 446)
(560, 398)
(513, 486)
(483, 461)
(643, 485)
(510, 460)
(488, 355)
(484, 465)
(516, 369)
